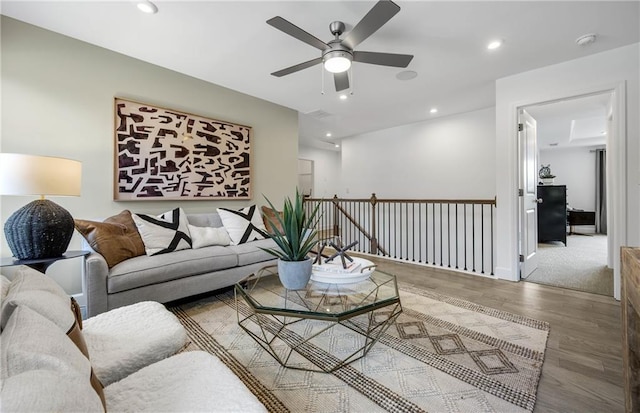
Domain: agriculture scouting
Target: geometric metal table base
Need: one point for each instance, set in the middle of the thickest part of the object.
(307, 322)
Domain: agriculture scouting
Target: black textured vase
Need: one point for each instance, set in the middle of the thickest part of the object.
(40, 229)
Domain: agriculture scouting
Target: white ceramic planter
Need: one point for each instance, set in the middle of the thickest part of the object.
(294, 275)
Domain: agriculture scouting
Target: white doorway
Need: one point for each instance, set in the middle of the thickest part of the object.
(305, 177)
(571, 134)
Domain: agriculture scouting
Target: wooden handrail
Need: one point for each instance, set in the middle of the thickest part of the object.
(375, 200)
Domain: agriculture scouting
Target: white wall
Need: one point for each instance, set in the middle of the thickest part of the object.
(575, 168)
(57, 100)
(326, 170)
(445, 158)
(616, 70)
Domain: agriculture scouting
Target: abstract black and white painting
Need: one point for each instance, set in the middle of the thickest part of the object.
(164, 154)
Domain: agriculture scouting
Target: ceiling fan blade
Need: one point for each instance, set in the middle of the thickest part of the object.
(294, 31)
(381, 13)
(298, 67)
(384, 59)
(341, 80)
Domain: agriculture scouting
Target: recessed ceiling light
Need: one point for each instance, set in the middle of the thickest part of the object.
(343, 97)
(406, 75)
(336, 145)
(603, 133)
(328, 135)
(494, 44)
(146, 6)
(433, 110)
(586, 39)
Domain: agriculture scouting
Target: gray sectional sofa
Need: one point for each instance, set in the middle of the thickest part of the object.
(171, 276)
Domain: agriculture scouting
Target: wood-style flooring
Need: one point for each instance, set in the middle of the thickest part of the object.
(582, 371)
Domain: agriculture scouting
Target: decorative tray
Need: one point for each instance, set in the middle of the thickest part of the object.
(364, 269)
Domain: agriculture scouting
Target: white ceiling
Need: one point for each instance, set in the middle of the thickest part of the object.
(228, 43)
(572, 123)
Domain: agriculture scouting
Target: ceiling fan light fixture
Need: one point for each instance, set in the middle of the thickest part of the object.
(337, 61)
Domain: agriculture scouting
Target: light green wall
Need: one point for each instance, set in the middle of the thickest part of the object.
(57, 100)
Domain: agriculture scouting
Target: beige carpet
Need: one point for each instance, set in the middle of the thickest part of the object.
(581, 265)
(442, 355)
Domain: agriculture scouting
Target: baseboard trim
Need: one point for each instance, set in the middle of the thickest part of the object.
(504, 273)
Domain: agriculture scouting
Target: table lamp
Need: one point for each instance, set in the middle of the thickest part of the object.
(40, 229)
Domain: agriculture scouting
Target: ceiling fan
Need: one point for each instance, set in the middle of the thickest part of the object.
(338, 54)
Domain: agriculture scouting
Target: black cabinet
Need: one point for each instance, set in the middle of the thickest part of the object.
(552, 213)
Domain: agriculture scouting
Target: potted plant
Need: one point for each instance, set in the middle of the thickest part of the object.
(295, 236)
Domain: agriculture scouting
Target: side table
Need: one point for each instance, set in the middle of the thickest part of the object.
(42, 264)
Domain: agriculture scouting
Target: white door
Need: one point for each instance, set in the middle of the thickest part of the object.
(528, 194)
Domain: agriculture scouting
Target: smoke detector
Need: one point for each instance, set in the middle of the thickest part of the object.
(586, 39)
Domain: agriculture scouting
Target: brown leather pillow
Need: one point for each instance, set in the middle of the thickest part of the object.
(116, 239)
(271, 215)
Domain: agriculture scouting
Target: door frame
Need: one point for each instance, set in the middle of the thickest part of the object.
(616, 158)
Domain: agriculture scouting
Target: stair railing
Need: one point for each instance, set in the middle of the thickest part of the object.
(450, 233)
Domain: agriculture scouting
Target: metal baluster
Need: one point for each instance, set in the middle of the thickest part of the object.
(465, 237)
(457, 243)
(395, 240)
(448, 235)
(406, 227)
(492, 211)
(441, 247)
(482, 238)
(420, 232)
(433, 222)
(473, 236)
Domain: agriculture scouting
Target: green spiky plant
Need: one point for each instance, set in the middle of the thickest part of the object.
(298, 235)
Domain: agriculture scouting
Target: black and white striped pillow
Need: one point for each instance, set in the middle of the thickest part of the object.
(244, 225)
(165, 233)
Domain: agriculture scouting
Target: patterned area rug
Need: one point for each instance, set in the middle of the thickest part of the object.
(442, 355)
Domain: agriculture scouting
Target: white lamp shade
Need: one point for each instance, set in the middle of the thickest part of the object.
(39, 175)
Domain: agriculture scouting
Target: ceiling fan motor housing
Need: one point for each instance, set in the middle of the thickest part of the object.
(336, 28)
(336, 49)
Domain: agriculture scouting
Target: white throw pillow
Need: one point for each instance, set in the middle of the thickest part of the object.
(205, 236)
(244, 225)
(165, 233)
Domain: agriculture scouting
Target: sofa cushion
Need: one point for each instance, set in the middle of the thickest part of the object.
(165, 233)
(188, 382)
(116, 239)
(126, 339)
(243, 225)
(251, 253)
(207, 236)
(32, 342)
(4, 287)
(43, 295)
(48, 391)
(145, 270)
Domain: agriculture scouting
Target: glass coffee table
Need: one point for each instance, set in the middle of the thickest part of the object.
(322, 327)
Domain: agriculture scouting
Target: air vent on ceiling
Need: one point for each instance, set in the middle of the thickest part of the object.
(319, 114)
